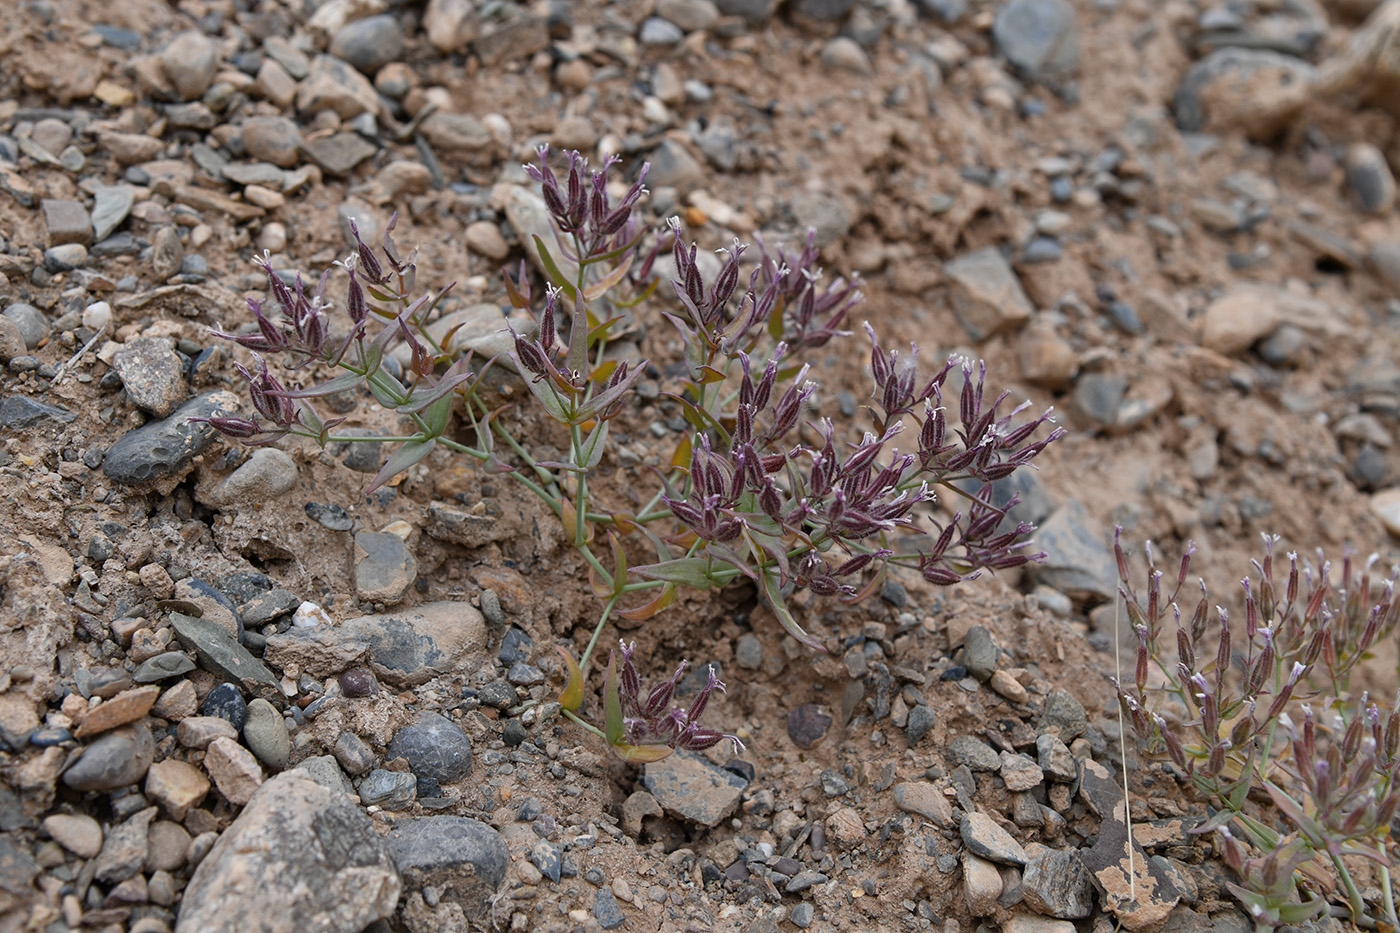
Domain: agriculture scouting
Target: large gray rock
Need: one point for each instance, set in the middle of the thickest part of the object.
(1079, 561)
(464, 859)
(218, 650)
(163, 448)
(299, 858)
(688, 786)
(1039, 37)
(411, 646)
(435, 747)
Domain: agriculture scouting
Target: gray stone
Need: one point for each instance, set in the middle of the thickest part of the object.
(163, 448)
(807, 725)
(288, 56)
(1385, 258)
(690, 787)
(66, 222)
(921, 719)
(450, 24)
(324, 771)
(272, 139)
(1254, 90)
(984, 838)
(749, 652)
(167, 253)
(32, 324)
(332, 84)
(264, 476)
(456, 133)
(1055, 759)
(353, 753)
(189, 61)
(845, 54)
(1056, 883)
(924, 799)
(152, 373)
(339, 153)
(987, 296)
(265, 734)
(673, 166)
(823, 9)
(980, 652)
(1080, 562)
(1063, 712)
(547, 858)
(111, 206)
(76, 832)
(1369, 178)
(195, 116)
(690, 15)
(218, 650)
(435, 747)
(1038, 37)
(65, 258)
(312, 857)
(392, 790)
(658, 31)
(753, 11)
(124, 848)
(972, 752)
(826, 213)
(606, 911)
(163, 666)
(465, 860)
(18, 411)
(802, 915)
(1042, 249)
(370, 43)
(410, 646)
(226, 702)
(1098, 396)
(1019, 773)
(118, 759)
(384, 567)
(255, 173)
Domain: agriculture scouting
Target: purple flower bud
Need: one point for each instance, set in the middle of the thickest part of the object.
(369, 264)
(237, 428)
(355, 300)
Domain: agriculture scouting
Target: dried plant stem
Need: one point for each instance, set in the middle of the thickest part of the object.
(1123, 745)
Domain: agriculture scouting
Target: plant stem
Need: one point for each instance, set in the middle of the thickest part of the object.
(589, 726)
(1388, 899)
(597, 631)
(1357, 905)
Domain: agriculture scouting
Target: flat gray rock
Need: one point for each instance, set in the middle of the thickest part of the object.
(1039, 37)
(688, 786)
(413, 645)
(464, 859)
(164, 448)
(220, 652)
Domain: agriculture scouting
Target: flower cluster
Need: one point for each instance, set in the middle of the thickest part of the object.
(652, 724)
(1226, 714)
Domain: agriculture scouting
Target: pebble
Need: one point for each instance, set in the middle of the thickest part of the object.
(972, 752)
(124, 848)
(385, 567)
(1369, 178)
(1008, 686)
(315, 854)
(169, 844)
(339, 153)
(926, 800)
(606, 910)
(435, 747)
(484, 238)
(76, 832)
(370, 43)
(1253, 90)
(162, 448)
(234, 770)
(658, 31)
(65, 258)
(673, 166)
(1057, 883)
(66, 222)
(748, 654)
(392, 790)
(152, 373)
(263, 477)
(410, 646)
(199, 731)
(987, 296)
(1064, 713)
(1042, 249)
(334, 85)
(980, 652)
(126, 707)
(1080, 562)
(547, 858)
(176, 785)
(276, 140)
(1038, 37)
(353, 753)
(117, 759)
(265, 733)
(845, 53)
(226, 702)
(807, 725)
(689, 787)
(450, 24)
(921, 720)
(189, 61)
(982, 885)
(1020, 773)
(983, 837)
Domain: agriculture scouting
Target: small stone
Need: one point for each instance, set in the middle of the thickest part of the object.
(384, 569)
(807, 725)
(1254, 90)
(658, 31)
(324, 771)
(450, 24)
(638, 807)
(358, 682)
(152, 373)
(467, 860)
(985, 838)
(690, 15)
(339, 153)
(1038, 37)
(1008, 686)
(1020, 773)
(273, 139)
(332, 84)
(127, 706)
(176, 785)
(353, 753)
(1385, 505)
(1056, 760)
(411, 646)
(982, 885)
(576, 133)
(1057, 883)
(226, 702)
(845, 54)
(370, 43)
(111, 206)
(189, 61)
(749, 652)
(689, 787)
(606, 910)
(546, 857)
(168, 846)
(1080, 562)
(1065, 714)
(980, 652)
(167, 253)
(972, 752)
(66, 222)
(926, 800)
(987, 296)
(846, 828)
(117, 759)
(484, 238)
(124, 849)
(391, 790)
(65, 258)
(263, 477)
(435, 747)
(234, 770)
(199, 731)
(274, 84)
(672, 165)
(456, 133)
(921, 720)
(802, 915)
(1369, 178)
(265, 732)
(76, 832)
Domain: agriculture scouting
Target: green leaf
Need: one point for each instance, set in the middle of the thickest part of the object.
(774, 594)
(545, 393)
(688, 571)
(577, 358)
(612, 704)
(601, 287)
(339, 384)
(552, 269)
(437, 414)
(406, 456)
(593, 446)
(571, 697)
(390, 396)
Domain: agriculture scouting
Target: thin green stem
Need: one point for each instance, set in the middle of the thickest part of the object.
(597, 631)
(1357, 905)
(1388, 899)
(570, 714)
(581, 493)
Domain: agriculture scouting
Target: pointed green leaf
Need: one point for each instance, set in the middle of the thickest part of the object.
(688, 571)
(773, 592)
(593, 446)
(612, 704)
(571, 697)
(552, 269)
(406, 456)
(340, 383)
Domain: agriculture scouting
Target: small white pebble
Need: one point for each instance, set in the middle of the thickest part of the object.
(310, 615)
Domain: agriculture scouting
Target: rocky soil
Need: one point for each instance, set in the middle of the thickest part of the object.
(236, 694)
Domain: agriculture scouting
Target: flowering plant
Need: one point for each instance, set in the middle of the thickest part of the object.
(752, 490)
